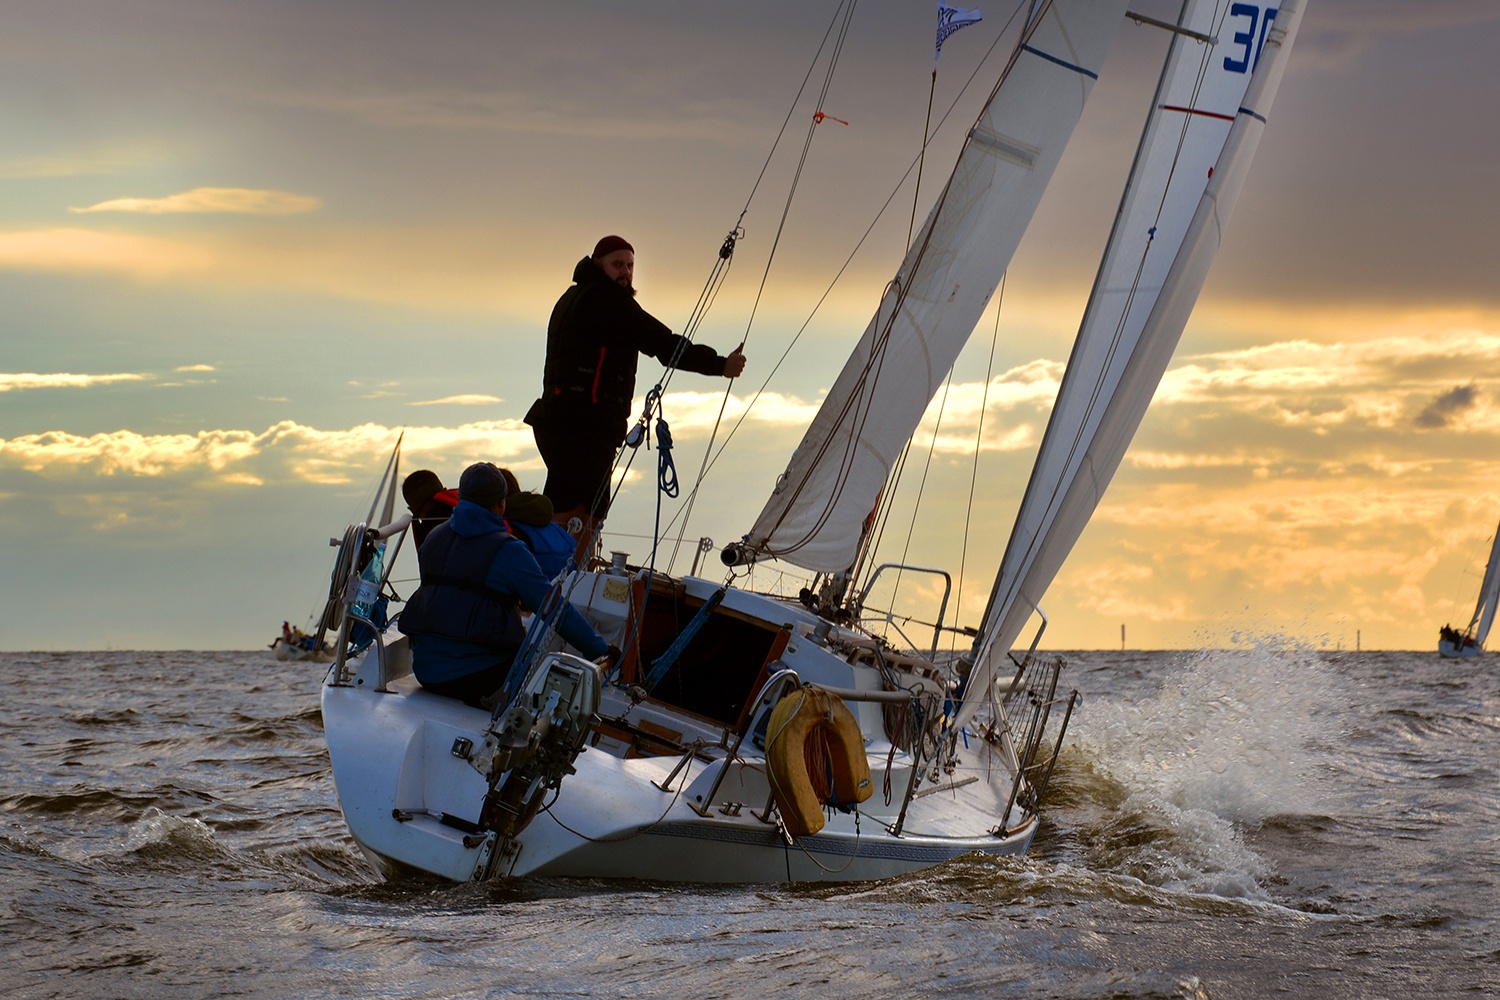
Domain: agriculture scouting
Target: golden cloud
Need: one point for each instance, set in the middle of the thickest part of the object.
(87, 250)
(462, 399)
(212, 200)
(61, 380)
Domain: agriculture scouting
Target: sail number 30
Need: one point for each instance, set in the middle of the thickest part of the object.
(1249, 42)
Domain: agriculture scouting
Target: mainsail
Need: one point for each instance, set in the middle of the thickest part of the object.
(814, 516)
(1190, 167)
(1489, 596)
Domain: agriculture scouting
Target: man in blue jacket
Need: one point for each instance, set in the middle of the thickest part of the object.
(464, 619)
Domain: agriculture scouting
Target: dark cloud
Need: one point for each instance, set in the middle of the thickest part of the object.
(1441, 411)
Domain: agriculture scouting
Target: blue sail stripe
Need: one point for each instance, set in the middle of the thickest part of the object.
(1061, 62)
(1252, 114)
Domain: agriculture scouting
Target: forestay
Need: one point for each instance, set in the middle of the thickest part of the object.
(814, 516)
(1189, 169)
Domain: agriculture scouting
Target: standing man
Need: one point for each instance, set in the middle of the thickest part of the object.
(594, 338)
(464, 620)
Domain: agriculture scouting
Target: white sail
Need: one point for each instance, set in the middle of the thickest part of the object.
(814, 516)
(1489, 596)
(1189, 170)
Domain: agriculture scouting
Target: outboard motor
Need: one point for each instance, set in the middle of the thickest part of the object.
(530, 747)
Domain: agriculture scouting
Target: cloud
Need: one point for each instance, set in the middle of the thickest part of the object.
(195, 368)
(61, 380)
(286, 451)
(212, 200)
(1442, 412)
(463, 399)
(86, 250)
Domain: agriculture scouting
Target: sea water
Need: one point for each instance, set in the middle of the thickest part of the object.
(1269, 822)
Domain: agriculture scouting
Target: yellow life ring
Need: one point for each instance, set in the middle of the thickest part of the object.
(815, 754)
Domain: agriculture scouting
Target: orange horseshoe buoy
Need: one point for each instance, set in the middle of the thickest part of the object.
(815, 754)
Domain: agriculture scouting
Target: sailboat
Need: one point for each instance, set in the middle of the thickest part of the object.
(294, 643)
(749, 737)
(1456, 645)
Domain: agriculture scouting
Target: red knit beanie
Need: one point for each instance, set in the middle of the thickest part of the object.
(609, 245)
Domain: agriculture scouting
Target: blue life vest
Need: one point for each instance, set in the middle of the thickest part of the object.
(453, 600)
(550, 543)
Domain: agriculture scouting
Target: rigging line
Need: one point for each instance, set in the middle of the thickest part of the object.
(706, 297)
(687, 514)
(791, 110)
(888, 500)
(859, 404)
(896, 189)
(687, 509)
(736, 230)
(775, 244)
(916, 194)
(846, 463)
(812, 128)
(922, 486)
(866, 384)
(989, 370)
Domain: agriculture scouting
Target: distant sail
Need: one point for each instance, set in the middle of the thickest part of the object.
(1489, 596)
(814, 516)
(1189, 169)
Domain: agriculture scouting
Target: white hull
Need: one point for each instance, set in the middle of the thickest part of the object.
(1454, 651)
(411, 803)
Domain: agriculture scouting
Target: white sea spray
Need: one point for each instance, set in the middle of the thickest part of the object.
(1230, 738)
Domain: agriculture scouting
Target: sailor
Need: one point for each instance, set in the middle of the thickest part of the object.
(464, 619)
(429, 503)
(529, 517)
(594, 339)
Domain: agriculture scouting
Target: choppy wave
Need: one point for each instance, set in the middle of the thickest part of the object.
(1164, 784)
(1222, 824)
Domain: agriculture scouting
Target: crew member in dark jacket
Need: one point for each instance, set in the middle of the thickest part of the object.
(463, 620)
(429, 503)
(595, 336)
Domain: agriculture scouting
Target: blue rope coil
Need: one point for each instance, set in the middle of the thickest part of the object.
(666, 469)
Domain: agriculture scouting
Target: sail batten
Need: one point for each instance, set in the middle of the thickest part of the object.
(814, 516)
(1208, 114)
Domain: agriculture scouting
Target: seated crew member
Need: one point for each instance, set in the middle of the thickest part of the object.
(529, 516)
(463, 620)
(595, 336)
(429, 503)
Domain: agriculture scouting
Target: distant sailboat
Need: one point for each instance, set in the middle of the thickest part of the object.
(296, 644)
(1458, 645)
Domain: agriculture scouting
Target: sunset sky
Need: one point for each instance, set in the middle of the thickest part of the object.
(244, 244)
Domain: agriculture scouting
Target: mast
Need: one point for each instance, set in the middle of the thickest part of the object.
(1207, 118)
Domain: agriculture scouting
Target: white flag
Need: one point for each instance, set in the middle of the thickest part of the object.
(950, 19)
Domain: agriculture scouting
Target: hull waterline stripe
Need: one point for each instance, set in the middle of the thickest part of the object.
(868, 848)
(1061, 62)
